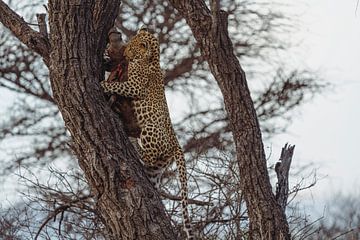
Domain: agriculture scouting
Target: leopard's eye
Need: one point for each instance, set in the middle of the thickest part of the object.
(143, 45)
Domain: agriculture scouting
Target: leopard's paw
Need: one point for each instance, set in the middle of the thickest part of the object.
(103, 85)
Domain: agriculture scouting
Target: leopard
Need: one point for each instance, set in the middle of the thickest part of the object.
(115, 63)
(159, 146)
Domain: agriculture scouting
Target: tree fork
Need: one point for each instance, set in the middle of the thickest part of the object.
(128, 204)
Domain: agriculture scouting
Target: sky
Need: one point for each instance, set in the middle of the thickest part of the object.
(326, 130)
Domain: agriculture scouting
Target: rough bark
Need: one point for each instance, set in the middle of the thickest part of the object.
(267, 219)
(127, 202)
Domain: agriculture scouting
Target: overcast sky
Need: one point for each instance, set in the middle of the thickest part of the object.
(327, 131)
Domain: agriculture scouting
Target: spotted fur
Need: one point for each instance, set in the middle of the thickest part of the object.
(159, 146)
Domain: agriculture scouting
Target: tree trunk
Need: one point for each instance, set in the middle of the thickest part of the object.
(128, 204)
(267, 220)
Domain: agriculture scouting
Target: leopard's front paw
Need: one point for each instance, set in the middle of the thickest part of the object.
(103, 85)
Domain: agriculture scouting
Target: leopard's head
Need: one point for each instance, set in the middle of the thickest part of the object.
(144, 46)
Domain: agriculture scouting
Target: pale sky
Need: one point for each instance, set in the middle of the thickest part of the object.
(327, 130)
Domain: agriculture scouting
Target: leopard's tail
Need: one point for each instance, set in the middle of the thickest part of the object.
(181, 166)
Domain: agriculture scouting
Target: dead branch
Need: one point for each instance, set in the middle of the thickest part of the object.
(282, 169)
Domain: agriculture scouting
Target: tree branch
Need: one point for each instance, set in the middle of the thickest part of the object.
(59, 210)
(190, 201)
(31, 38)
(42, 24)
(282, 169)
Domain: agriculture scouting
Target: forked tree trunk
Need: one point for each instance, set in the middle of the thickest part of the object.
(126, 201)
(267, 219)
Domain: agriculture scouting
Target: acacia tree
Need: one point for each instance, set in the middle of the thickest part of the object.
(82, 99)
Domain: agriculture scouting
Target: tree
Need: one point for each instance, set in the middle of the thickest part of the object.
(74, 57)
(76, 98)
(267, 220)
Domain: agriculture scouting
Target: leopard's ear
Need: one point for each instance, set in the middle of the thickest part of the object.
(143, 28)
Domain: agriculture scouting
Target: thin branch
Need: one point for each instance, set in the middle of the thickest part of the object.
(61, 209)
(190, 201)
(345, 233)
(53, 215)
